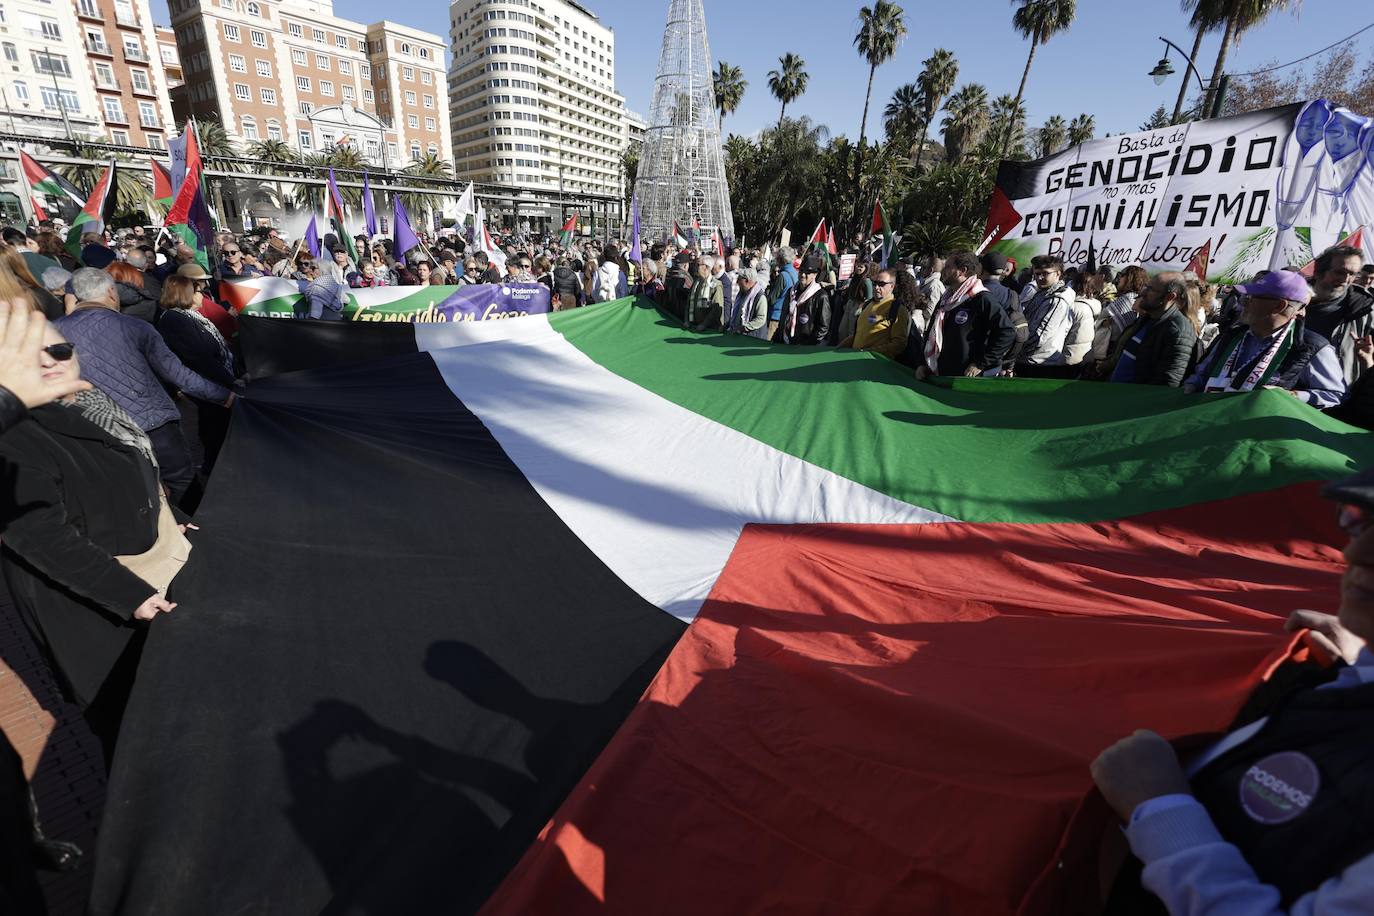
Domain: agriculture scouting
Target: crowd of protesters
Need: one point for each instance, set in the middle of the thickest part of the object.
(129, 341)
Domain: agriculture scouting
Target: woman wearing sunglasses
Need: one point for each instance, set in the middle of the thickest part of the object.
(88, 543)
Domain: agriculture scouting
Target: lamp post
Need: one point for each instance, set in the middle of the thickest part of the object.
(1164, 69)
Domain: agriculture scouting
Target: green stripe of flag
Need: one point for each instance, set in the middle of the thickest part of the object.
(984, 450)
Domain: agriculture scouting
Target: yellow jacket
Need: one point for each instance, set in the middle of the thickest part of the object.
(882, 328)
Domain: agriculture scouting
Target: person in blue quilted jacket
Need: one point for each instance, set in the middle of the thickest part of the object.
(128, 360)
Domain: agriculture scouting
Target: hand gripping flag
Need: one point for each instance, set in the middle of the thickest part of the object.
(334, 212)
(403, 237)
(369, 208)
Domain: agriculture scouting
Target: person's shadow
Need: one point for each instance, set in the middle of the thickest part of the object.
(400, 824)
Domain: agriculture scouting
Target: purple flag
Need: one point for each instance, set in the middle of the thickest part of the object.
(369, 211)
(312, 238)
(402, 235)
(634, 230)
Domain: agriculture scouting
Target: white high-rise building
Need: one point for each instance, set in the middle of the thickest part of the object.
(532, 98)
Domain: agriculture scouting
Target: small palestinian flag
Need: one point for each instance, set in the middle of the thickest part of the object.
(818, 237)
(679, 239)
(334, 211)
(99, 207)
(43, 181)
(188, 218)
(881, 225)
(582, 617)
(162, 184)
(696, 233)
(565, 235)
(830, 241)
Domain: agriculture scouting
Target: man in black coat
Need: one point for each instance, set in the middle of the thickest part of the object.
(806, 317)
(1159, 348)
(974, 331)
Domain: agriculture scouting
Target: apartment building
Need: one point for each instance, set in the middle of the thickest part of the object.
(295, 72)
(171, 60)
(532, 96)
(87, 69)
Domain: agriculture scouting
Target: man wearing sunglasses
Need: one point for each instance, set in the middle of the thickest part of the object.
(1340, 310)
(1272, 348)
(233, 266)
(1274, 817)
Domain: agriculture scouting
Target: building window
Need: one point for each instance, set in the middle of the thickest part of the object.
(269, 96)
(48, 64)
(298, 57)
(155, 141)
(346, 67)
(147, 114)
(408, 73)
(11, 52)
(293, 29)
(231, 32)
(303, 83)
(341, 41)
(429, 124)
(413, 121)
(104, 75)
(237, 63)
(427, 77)
(424, 53)
(21, 90)
(326, 87)
(258, 38)
(273, 129)
(368, 96)
(365, 70)
(306, 141)
(433, 150)
(322, 61)
(317, 35)
(306, 108)
(429, 101)
(348, 94)
(410, 97)
(391, 150)
(254, 10)
(57, 100)
(88, 8)
(264, 67)
(120, 137)
(113, 110)
(141, 83)
(362, 45)
(242, 92)
(249, 128)
(415, 151)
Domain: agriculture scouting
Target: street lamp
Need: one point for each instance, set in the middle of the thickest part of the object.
(1162, 71)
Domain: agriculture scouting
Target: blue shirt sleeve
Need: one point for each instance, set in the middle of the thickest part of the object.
(1197, 873)
(1322, 383)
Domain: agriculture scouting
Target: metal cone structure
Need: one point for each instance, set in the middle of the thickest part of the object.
(681, 170)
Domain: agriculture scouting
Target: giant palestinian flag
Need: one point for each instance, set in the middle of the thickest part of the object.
(583, 613)
(274, 297)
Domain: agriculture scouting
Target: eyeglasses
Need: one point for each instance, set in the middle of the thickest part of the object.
(884, 282)
(60, 351)
(229, 251)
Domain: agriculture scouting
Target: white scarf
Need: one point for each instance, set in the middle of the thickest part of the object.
(793, 307)
(935, 341)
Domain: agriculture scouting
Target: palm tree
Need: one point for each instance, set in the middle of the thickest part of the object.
(1207, 16)
(729, 85)
(938, 74)
(902, 114)
(788, 82)
(629, 171)
(430, 166)
(1050, 138)
(1005, 117)
(881, 29)
(1039, 20)
(1240, 15)
(966, 116)
(213, 139)
(1081, 129)
(273, 151)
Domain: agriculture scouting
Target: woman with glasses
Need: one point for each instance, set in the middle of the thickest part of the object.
(89, 542)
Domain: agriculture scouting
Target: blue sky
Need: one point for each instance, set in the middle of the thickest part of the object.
(1098, 67)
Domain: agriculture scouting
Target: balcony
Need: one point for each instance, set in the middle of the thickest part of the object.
(127, 20)
(87, 9)
(146, 91)
(135, 54)
(111, 85)
(99, 48)
(115, 117)
(149, 123)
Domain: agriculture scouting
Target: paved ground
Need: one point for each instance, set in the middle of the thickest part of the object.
(61, 757)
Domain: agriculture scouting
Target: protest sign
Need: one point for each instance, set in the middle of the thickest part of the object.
(1264, 190)
(272, 297)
